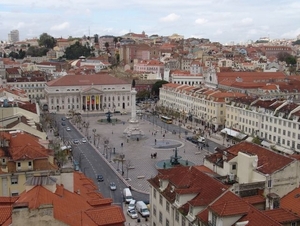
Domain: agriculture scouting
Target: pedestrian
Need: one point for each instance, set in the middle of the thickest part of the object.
(122, 144)
(112, 132)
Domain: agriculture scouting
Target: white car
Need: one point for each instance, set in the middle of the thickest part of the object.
(75, 141)
(131, 205)
(68, 129)
(132, 213)
(113, 186)
(83, 140)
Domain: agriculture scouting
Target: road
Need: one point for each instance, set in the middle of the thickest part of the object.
(91, 163)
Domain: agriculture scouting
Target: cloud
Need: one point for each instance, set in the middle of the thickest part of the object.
(60, 27)
(201, 21)
(170, 18)
(246, 21)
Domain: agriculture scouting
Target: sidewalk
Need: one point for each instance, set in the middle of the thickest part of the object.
(139, 166)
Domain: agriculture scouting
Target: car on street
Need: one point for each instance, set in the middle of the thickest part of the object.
(112, 186)
(68, 129)
(100, 178)
(117, 112)
(123, 113)
(132, 213)
(75, 141)
(63, 119)
(83, 140)
(201, 140)
(194, 140)
(63, 123)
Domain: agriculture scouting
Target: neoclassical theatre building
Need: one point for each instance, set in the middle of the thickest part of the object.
(88, 92)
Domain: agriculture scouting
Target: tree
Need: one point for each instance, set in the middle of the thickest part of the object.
(47, 41)
(156, 86)
(76, 50)
(35, 51)
(286, 57)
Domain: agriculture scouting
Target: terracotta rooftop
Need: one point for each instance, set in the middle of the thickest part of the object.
(87, 80)
(73, 208)
(190, 180)
(282, 216)
(291, 201)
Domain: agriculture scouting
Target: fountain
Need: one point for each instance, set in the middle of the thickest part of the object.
(175, 160)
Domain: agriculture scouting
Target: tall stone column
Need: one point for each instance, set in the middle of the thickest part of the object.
(133, 105)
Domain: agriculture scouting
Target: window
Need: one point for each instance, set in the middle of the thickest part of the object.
(167, 222)
(182, 221)
(19, 165)
(154, 210)
(154, 193)
(160, 217)
(14, 179)
(233, 167)
(167, 206)
(177, 216)
(214, 220)
(160, 200)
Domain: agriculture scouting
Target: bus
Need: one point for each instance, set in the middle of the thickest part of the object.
(166, 119)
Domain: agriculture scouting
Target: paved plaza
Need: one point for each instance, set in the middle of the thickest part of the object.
(140, 162)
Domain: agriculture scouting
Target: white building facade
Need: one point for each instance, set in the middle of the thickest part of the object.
(88, 93)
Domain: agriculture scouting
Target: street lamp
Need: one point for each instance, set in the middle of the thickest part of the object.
(94, 131)
(122, 157)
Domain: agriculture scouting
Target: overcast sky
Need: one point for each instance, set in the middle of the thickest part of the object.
(219, 20)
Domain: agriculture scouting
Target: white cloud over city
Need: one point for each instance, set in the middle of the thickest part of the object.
(218, 20)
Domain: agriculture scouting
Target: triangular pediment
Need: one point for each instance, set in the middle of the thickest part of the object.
(92, 90)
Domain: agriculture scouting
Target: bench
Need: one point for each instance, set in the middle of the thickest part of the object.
(140, 177)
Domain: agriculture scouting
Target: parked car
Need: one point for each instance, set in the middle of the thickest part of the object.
(113, 186)
(100, 178)
(131, 205)
(123, 113)
(117, 112)
(63, 119)
(132, 213)
(63, 123)
(68, 129)
(83, 140)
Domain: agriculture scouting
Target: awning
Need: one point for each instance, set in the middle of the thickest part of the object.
(285, 150)
(234, 133)
(249, 139)
(266, 144)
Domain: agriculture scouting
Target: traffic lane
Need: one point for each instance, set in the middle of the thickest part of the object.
(165, 126)
(92, 155)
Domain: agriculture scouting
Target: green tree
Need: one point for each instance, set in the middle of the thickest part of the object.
(156, 86)
(35, 51)
(142, 94)
(47, 41)
(13, 55)
(76, 50)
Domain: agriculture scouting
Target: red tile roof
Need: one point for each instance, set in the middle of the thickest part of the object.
(268, 161)
(291, 201)
(85, 80)
(282, 216)
(229, 204)
(75, 208)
